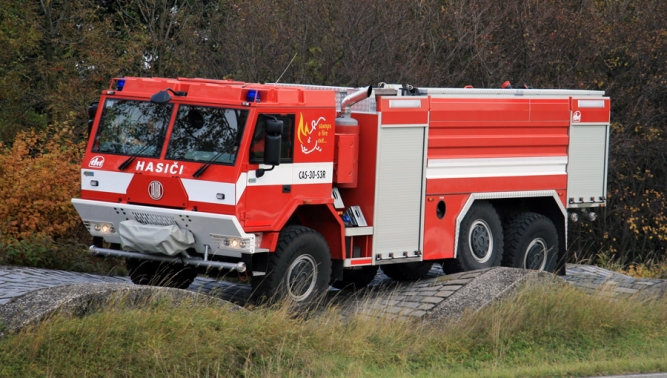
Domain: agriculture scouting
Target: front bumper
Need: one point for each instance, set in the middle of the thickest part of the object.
(186, 261)
(222, 234)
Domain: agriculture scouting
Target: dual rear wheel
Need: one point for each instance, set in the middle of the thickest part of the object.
(528, 240)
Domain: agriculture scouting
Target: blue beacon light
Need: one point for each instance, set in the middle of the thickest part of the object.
(120, 84)
(253, 95)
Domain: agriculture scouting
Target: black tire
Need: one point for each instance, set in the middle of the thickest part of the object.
(177, 276)
(480, 243)
(299, 270)
(356, 279)
(451, 266)
(411, 271)
(146, 272)
(531, 242)
(141, 272)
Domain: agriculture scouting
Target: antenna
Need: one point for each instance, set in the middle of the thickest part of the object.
(288, 64)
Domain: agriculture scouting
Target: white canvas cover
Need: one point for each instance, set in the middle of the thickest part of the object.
(169, 240)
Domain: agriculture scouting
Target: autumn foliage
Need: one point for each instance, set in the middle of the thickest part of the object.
(39, 175)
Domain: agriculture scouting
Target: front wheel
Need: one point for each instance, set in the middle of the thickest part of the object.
(532, 243)
(147, 272)
(299, 269)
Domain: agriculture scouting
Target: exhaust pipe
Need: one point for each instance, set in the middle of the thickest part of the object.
(351, 99)
(190, 261)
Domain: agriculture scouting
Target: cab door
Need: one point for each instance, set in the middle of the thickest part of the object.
(269, 193)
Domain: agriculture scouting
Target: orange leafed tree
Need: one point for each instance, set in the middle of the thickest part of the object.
(39, 175)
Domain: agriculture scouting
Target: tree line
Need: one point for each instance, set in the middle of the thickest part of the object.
(56, 55)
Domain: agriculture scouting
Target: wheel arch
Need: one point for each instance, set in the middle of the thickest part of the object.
(325, 220)
(546, 202)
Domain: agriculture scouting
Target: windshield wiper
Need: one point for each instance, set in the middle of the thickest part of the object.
(204, 167)
(129, 160)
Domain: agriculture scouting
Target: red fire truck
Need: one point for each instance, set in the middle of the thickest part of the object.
(300, 187)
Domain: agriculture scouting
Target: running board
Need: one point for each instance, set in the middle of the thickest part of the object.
(239, 267)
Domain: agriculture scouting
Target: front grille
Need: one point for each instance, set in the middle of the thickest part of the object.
(156, 220)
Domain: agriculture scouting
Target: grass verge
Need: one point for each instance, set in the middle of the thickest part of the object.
(543, 330)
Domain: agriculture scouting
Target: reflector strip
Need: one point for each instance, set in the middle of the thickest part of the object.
(496, 167)
(358, 262)
(400, 104)
(293, 174)
(110, 182)
(207, 191)
(591, 104)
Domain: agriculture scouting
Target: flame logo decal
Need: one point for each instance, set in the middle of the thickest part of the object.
(304, 134)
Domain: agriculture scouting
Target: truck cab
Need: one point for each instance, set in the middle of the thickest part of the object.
(203, 174)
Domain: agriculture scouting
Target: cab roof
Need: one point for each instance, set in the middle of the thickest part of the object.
(223, 91)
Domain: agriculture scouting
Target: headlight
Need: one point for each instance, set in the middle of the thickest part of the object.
(104, 228)
(225, 242)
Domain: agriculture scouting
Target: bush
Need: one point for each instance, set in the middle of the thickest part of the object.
(39, 175)
(39, 227)
(32, 252)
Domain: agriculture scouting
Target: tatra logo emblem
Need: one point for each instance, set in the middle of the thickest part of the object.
(155, 190)
(96, 162)
(576, 117)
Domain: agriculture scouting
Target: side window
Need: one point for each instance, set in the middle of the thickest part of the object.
(287, 142)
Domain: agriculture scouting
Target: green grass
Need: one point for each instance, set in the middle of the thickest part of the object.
(544, 330)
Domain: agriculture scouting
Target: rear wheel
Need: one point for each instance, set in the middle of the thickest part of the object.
(299, 269)
(531, 242)
(355, 279)
(480, 243)
(407, 271)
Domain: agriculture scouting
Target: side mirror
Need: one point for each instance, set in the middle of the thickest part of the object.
(92, 110)
(273, 129)
(273, 126)
(272, 141)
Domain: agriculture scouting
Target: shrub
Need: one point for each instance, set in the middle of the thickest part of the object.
(39, 175)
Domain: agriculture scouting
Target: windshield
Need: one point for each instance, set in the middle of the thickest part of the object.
(206, 134)
(131, 127)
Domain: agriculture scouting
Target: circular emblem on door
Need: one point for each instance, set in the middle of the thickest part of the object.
(155, 190)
